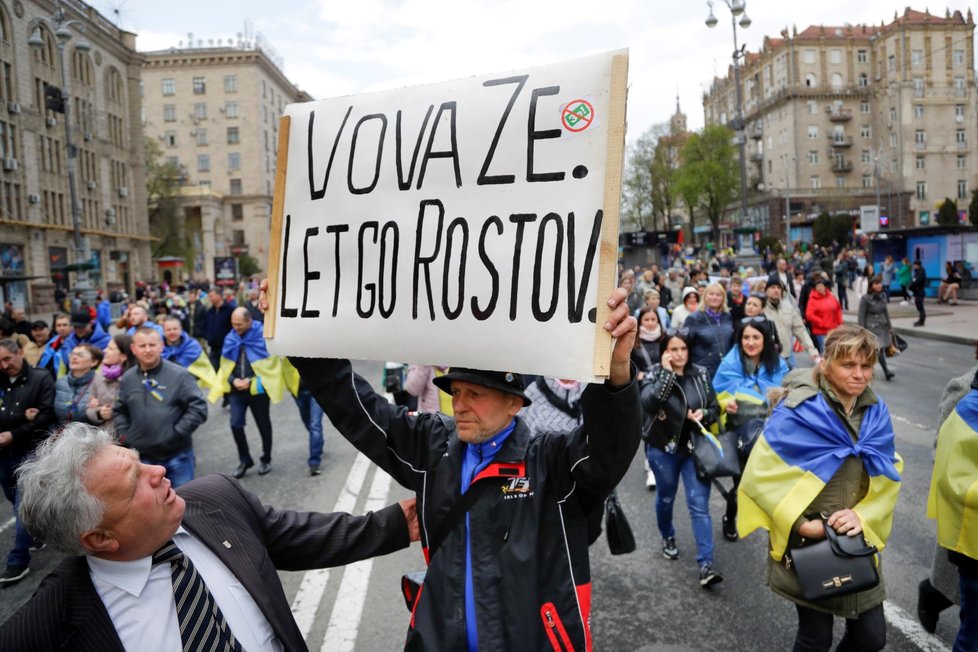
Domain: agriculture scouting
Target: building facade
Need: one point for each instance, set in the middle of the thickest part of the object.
(214, 110)
(843, 117)
(39, 231)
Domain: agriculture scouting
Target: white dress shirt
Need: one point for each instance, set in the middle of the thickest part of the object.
(139, 599)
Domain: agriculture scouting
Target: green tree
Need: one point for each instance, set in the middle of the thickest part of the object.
(666, 164)
(637, 209)
(827, 229)
(166, 218)
(947, 213)
(708, 177)
(973, 208)
(248, 265)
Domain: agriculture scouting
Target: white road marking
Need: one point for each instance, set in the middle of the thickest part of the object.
(310, 594)
(911, 629)
(6, 525)
(344, 622)
(909, 422)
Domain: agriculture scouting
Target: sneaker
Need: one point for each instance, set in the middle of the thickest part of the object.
(903, 303)
(730, 528)
(708, 576)
(314, 469)
(14, 574)
(38, 545)
(650, 480)
(669, 549)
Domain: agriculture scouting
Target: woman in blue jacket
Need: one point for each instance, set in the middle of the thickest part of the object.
(747, 372)
(710, 329)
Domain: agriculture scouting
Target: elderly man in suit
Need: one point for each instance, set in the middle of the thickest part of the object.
(161, 570)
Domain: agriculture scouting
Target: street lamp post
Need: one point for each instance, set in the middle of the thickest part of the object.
(737, 8)
(61, 26)
(788, 160)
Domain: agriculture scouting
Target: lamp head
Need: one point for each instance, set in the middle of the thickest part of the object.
(83, 44)
(36, 40)
(745, 21)
(711, 20)
(737, 7)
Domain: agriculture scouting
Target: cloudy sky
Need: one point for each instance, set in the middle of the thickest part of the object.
(333, 48)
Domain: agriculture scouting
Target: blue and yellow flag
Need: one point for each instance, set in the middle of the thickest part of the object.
(50, 358)
(273, 375)
(733, 382)
(953, 498)
(188, 353)
(799, 451)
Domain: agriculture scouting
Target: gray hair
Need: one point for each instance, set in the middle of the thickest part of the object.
(55, 505)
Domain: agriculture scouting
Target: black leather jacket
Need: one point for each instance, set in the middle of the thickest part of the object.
(664, 405)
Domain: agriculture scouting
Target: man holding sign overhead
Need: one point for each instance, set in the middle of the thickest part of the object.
(511, 573)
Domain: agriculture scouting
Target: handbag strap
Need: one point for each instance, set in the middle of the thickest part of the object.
(833, 538)
(459, 508)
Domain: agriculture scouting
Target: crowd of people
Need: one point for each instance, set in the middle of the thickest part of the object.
(701, 346)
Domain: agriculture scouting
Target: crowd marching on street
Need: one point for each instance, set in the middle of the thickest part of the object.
(706, 348)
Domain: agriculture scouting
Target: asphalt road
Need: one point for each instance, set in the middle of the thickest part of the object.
(640, 601)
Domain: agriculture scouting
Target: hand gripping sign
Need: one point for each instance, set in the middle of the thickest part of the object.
(467, 223)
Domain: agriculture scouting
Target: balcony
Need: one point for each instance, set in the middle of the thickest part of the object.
(838, 115)
(756, 157)
(840, 141)
(755, 131)
(841, 165)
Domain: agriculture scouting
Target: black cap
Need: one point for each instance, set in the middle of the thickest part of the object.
(40, 323)
(81, 318)
(504, 381)
(774, 279)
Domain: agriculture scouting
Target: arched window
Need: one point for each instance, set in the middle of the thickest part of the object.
(811, 80)
(4, 26)
(114, 88)
(45, 53)
(82, 70)
(836, 81)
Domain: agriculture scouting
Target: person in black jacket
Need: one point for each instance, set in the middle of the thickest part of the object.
(678, 399)
(216, 324)
(26, 412)
(918, 285)
(711, 329)
(525, 534)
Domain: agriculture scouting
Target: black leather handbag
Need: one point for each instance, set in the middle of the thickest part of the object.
(836, 565)
(621, 540)
(713, 461)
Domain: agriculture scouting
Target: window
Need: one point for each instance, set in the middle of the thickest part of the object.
(204, 183)
(231, 109)
(199, 85)
(808, 56)
(916, 57)
(173, 160)
(230, 83)
(813, 157)
(962, 162)
(812, 107)
(201, 136)
(862, 56)
(960, 138)
(864, 107)
(840, 182)
(237, 212)
(234, 161)
(867, 181)
(835, 55)
(816, 183)
(893, 140)
(959, 112)
(959, 86)
(236, 188)
(169, 113)
(836, 81)
(891, 62)
(866, 156)
(918, 111)
(170, 138)
(920, 137)
(233, 136)
(918, 86)
(263, 89)
(919, 163)
(957, 56)
(921, 190)
(863, 80)
(962, 189)
(203, 163)
(169, 87)
(866, 131)
(811, 80)
(200, 110)
(892, 114)
(812, 132)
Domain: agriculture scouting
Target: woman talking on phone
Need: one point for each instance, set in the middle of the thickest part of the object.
(679, 398)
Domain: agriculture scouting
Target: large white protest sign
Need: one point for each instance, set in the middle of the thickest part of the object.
(467, 223)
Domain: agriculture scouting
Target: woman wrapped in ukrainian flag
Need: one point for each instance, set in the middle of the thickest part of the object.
(827, 448)
(747, 372)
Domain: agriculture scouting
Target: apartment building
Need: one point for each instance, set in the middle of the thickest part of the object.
(214, 109)
(42, 239)
(838, 116)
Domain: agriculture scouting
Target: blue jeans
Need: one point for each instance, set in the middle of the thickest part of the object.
(968, 632)
(819, 342)
(20, 554)
(668, 468)
(179, 468)
(311, 414)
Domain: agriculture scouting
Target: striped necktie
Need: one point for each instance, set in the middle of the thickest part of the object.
(202, 625)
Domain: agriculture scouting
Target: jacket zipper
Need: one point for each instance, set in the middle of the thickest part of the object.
(555, 628)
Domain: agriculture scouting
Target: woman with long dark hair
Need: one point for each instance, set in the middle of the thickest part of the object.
(679, 399)
(752, 367)
(648, 344)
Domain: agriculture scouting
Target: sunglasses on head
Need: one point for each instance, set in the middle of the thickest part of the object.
(757, 319)
(684, 332)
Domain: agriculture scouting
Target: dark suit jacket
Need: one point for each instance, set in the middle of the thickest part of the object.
(67, 613)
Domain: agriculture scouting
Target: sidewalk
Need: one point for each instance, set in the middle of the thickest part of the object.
(957, 324)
